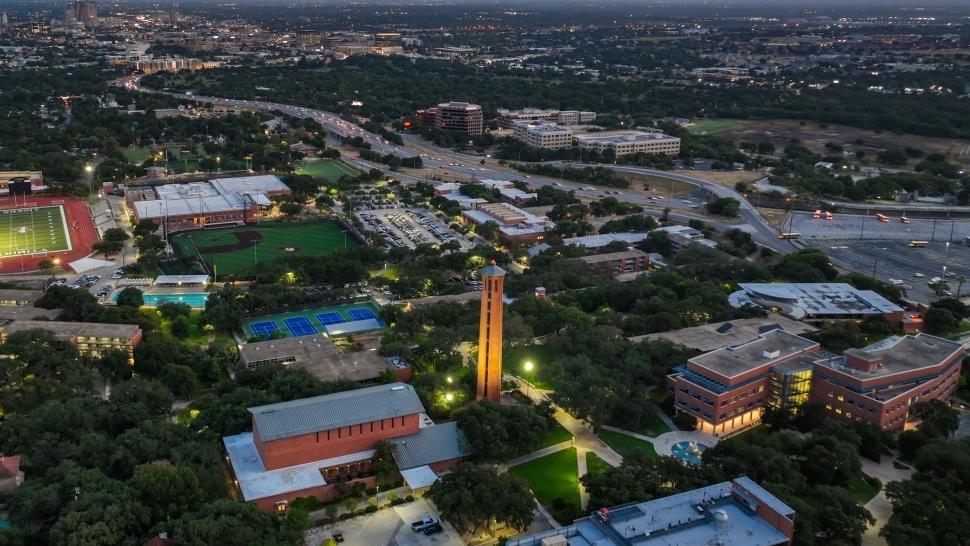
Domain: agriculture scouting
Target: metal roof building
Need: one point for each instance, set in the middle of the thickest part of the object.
(331, 411)
(430, 445)
(815, 300)
(735, 513)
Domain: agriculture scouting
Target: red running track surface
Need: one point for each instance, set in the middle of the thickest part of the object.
(80, 228)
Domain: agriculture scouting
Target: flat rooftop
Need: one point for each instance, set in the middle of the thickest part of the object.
(613, 256)
(70, 330)
(768, 347)
(619, 137)
(317, 355)
(817, 299)
(720, 514)
(899, 354)
(255, 482)
(710, 337)
(14, 295)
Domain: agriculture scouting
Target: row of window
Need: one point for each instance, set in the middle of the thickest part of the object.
(338, 433)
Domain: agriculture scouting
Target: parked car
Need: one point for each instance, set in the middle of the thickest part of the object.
(433, 529)
(423, 523)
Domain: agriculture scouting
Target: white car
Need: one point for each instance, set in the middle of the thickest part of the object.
(918, 275)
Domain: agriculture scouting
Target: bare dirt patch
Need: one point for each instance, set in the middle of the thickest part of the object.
(814, 135)
(725, 178)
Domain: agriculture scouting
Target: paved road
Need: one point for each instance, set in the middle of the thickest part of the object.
(451, 163)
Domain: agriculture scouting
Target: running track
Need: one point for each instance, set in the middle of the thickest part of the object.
(80, 227)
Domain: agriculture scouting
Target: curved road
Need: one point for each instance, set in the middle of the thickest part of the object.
(460, 165)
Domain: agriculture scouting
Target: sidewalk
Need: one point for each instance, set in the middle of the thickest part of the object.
(534, 455)
(879, 506)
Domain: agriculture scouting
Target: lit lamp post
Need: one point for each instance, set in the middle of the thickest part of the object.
(528, 366)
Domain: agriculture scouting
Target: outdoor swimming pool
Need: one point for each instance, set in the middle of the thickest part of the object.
(688, 452)
(195, 300)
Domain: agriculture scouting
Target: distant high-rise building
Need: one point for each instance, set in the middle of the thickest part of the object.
(82, 11)
(490, 335)
(461, 117)
(174, 13)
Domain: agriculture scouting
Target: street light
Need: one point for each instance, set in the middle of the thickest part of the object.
(89, 168)
(528, 366)
(449, 397)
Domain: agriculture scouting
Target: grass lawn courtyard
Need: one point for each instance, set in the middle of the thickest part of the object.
(238, 250)
(554, 481)
(626, 445)
(331, 169)
(595, 465)
(713, 126)
(557, 435)
(861, 490)
(35, 230)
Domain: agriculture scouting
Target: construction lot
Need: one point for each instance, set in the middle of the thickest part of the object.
(410, 227)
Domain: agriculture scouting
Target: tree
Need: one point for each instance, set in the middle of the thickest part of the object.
(229, 523)
(168, 491)
(472, 496)
(487, 230)
(939, 420)
(170, 310)
(291, 208)
(724, 206)
(144, 227)
(180, 327)
(130, 297)
(108, 247)
(46, 265)
(497, 433)
(939, 321)
(115, 234)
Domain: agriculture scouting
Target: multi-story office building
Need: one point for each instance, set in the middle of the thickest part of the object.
(507, 118)
(615, 263)
(735, 513)
(462, 117)
(884, 382)
(90, 338)
(543, 134)
(728, 389)
(306, 447)
(629, 142)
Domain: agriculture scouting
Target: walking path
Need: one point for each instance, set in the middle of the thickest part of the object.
(534, 455)
(664, 443)
(879, 506)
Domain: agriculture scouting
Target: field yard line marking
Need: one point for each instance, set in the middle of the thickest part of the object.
(67, 233)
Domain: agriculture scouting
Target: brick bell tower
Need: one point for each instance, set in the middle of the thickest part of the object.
(490, 334)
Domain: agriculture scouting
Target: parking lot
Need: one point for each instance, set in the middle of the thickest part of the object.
(387, 527)
(409, 227)
(854, 226)
(896, 261)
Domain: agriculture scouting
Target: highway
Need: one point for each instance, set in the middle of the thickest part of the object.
(458, 165)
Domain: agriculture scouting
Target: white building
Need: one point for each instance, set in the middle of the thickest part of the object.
(507, 118)
(629, 142)
(543, 134)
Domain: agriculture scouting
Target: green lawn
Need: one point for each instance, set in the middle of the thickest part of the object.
(33, 231)
(197, 336)
(557, 435)
(330, 169)
(595, 465)
(514, 359)
(653, 426)
(555, 482)
(136, 156)
(626, 445)
(714, 126)
(314, 238)
(861, 490)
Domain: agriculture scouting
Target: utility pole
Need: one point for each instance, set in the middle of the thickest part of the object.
(933, 234)
(862, 228)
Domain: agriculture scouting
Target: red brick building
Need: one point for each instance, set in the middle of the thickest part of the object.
(727, 390)
(883, 383)
(305, 447)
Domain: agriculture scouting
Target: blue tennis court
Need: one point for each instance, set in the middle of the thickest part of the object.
(361, 313)
(330, 318)
(264, 329)
(299, 326)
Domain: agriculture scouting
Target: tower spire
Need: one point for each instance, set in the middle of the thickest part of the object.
(490, 334)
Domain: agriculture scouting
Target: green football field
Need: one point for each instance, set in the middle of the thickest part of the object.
(33, 231)
(331, 169)
(237, 250)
